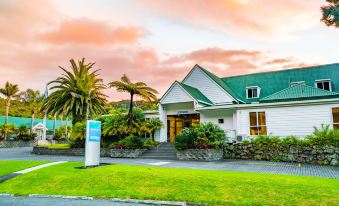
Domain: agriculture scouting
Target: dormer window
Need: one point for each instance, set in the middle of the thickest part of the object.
(252, 92)
(297, 83)
(324, 84)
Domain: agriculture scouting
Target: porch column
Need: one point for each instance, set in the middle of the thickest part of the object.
(163, 118)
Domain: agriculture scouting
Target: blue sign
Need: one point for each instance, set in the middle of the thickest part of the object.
(182, 112)
(94, 131)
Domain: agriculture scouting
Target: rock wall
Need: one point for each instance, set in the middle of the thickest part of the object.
(10, 144)
(200, 154)
(313, 154)
(126, 153)
(104, 152)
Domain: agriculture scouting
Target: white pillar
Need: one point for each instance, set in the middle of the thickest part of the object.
(163, 118)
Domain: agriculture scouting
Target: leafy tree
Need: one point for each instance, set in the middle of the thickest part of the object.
(77, 93)
(34, 100)
(331, 13)
(139, 89)
(10, 91)
(154, 124)
(6, 130)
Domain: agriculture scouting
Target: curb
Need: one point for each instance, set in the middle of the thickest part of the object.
(149, 202)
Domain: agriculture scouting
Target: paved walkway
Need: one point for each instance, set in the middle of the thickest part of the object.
(38, 201)
(233, 165)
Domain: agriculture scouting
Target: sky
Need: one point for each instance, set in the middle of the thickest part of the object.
(159, 41)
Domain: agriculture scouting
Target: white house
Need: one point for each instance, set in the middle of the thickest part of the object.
(280, 103)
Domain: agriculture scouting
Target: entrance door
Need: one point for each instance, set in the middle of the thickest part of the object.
(176, 123)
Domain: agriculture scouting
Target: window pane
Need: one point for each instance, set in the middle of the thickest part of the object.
(320, 85)
(254, 131)
(249, 93)
(255, 93)
(262, 118)
(326, 86)
(262, 130)
(336, 126)
(335, 113)
(253, 119)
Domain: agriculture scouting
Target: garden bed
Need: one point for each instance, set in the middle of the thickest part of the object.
(200, 154)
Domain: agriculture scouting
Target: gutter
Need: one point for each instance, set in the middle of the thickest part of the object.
(290, 103)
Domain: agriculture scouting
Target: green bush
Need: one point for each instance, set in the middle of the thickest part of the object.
(323, 136)
(78, 136)
(130, 142)
(150, 143)
(202, 136)
(292, 140)
(60, 133)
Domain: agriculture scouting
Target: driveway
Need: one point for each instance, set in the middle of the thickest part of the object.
(24, 153)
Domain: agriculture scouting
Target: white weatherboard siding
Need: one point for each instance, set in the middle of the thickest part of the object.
(207, 86)
(289, 120)
(214, 116)
(176, 94)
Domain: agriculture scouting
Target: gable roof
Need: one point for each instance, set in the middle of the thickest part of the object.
(196, 94)
(299, 92)
(219, 81)
(273, 82)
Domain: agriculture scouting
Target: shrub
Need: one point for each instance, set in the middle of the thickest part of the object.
(130, 142)
(60, 133)
(292, 140)
(150, 143)
(323, 136)
(202, 136)
(78, 136)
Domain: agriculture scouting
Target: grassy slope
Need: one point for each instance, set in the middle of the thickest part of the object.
(199, 186)
(10, 166)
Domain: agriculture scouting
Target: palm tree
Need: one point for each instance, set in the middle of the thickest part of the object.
(139, 89)
(154, 124)
(34, 100)
(9, 91)
(77, 93)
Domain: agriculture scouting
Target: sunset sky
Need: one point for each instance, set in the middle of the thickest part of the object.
(159, 41)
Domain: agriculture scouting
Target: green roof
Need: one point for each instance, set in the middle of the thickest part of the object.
(220, 82)
(27, 121)
(196, 94)
(273, 82)
(298, 92)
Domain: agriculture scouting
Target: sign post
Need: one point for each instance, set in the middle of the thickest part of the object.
(92, 145)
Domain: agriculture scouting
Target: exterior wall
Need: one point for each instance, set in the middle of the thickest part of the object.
(207, 86)
(176, 94)
(214, 115)
(289, 120)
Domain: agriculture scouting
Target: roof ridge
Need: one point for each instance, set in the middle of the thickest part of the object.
(282, 70)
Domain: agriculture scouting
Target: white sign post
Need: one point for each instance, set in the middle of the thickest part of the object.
(92, 145)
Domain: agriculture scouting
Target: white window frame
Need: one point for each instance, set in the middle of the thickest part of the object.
(253, 87)
(297, 83)
(322, 81)
(257, 124)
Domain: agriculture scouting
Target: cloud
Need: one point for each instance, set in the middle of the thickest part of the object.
(86, 31)
(254, 18)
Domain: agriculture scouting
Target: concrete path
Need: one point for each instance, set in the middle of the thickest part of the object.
(39, 201)
(233, 165)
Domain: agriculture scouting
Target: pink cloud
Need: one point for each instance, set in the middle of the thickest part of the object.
(86, 31)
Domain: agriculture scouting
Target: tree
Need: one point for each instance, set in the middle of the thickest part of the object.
(331, 13)
(32, 99)
(9, 91)
(77, 93)
(139, 89)
(154, 124)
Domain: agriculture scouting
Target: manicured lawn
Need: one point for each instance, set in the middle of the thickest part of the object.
(10, 166)
(198, 186)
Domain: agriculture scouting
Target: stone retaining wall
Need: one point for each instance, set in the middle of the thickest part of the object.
(200, 154)
(126, 153)
(104, 152)
(315, 154)
(10, 144)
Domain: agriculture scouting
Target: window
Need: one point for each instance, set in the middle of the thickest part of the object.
(258, 123)
(297, 83)
(221, 121)
(335, 113)
(324, 84)
(252, 92)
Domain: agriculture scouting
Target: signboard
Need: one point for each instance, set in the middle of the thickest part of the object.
(92, 146)
(182, 112)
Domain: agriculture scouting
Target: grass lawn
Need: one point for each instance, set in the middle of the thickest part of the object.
(10, 166)
(196, 186)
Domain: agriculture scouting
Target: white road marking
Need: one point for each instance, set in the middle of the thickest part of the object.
(38, 167)
(159, 163)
